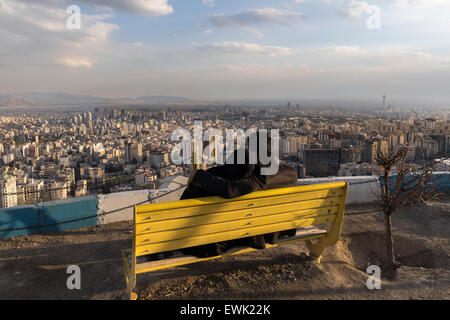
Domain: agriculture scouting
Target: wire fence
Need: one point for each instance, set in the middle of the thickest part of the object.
(99, 186)
(363, 182)
(365, 211)
(362, 212)
(68, 188)
(149, 200)
(89, 186)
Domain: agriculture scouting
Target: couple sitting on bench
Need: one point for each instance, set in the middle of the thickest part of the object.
(230, 181)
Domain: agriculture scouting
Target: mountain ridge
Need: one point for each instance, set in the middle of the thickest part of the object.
(31, 99)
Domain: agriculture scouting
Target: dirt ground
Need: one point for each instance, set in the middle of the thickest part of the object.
(34, 267)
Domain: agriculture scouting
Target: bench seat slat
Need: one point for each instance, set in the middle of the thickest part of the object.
(157, 212)
(213, 228)
(173, 224)
(228, 235)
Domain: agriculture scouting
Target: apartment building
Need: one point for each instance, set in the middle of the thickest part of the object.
(8, 191)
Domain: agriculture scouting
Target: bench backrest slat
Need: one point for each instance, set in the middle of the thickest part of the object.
(222, 217)
(244, 224)
(227, 235)
(259, 195)
(148, 214)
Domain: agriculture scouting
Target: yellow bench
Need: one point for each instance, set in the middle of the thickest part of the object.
(181, 224)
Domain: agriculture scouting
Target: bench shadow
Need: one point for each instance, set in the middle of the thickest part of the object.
(326, 293)
(248, 262)
(40, 273)
(218, 270)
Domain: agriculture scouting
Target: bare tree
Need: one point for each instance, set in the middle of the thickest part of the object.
(407, 186)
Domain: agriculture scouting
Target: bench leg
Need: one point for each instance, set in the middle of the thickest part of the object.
(131, 295)
(131, 284)
(316, 249)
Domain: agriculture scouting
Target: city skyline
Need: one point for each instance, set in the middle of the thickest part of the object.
(228, 50)
(53, 155)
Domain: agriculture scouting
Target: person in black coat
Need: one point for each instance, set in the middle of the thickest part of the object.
(230, 181)
(234, 180)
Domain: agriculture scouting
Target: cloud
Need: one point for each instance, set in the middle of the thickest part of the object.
(402, 4)
(344, 50)
(210, 3)
(283, 71)
(41, 54)
(37, 36)
(330, 72)
(75, 63)
(376, 58)
(354, 10)
(142, 7)
(245, 48)
(265, 16)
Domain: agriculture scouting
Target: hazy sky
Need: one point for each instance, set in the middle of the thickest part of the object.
(229, 49)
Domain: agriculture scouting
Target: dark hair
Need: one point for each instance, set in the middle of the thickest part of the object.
(257, 135)
(232, 170)
(236, 170)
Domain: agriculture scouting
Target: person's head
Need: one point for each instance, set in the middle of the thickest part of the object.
(246, 161)
(259, 143)
(235, 168)
(263, 150)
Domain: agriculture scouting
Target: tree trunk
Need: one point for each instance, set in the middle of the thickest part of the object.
(389, 242)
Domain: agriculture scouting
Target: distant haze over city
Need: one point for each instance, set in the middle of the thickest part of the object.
(40, 100)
